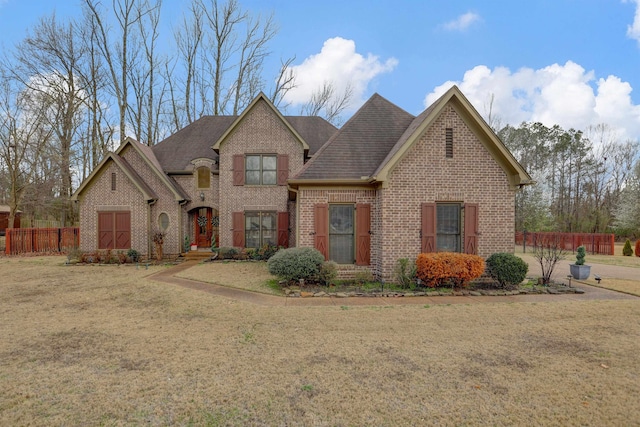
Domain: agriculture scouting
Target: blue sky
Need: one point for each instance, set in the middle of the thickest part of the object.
(569, 62)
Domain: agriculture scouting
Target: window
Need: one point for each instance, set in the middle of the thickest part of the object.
(341, 237)
(449, 143)
(448, 227)
(260, 229)
(260, 169)
(113, 181)
(204, 177)
(163, 221)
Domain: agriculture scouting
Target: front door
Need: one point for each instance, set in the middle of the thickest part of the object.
(203, 227)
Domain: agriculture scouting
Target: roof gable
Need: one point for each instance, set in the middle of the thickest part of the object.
(260, 98)
(515, 172)
(150, 159)
(124, 166)
(357, 149)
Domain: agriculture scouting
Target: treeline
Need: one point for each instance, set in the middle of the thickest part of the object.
(72, 89)
(586, 181)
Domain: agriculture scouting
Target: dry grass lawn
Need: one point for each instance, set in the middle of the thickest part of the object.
(106, 345)
(621, 285)
(251, 276)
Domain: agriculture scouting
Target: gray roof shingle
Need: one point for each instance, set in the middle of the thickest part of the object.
(359, 147)
(176, 152)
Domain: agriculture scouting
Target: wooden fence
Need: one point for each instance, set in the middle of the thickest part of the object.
(41, 240)
(594, 243)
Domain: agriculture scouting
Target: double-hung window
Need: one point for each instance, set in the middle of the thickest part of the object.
(341, 236)
(260, 229)
(448, 227)
(261, 169)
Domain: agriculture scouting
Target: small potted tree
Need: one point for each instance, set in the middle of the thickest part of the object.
(578, 270)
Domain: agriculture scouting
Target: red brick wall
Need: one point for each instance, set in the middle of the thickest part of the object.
(261, 132)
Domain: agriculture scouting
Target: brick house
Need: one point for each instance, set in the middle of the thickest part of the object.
(386, 185)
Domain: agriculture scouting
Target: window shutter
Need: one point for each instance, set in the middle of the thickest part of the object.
(105, 230)
(283, 229)
(321, 228)
(238, 169)
(428, 228)
(123, 230)
(238, 229)
(283, 169)
(363, 234)
(471, 228)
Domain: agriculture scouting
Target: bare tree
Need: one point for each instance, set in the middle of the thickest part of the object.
(548, 252)
(23, 136)
(326, 102)
(47, 64)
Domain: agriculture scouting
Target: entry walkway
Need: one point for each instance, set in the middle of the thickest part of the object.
(169, 276)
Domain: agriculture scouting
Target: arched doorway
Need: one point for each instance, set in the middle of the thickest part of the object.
(205, 226)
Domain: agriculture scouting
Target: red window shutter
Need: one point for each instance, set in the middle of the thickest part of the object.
(123, 230)
(283, 229)
(428, 228)
(363, 234)
(283, 169)
(471, 228)
(238, 229)
(105, 230)
(321, 228)
(238, 169)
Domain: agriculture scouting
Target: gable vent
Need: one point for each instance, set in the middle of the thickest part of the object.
(449, 143)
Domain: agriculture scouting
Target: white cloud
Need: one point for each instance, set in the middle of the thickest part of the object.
(340, 64)
(633, 30)
(565, 95)
(462, 22)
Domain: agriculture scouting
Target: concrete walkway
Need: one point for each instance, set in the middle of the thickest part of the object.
(168, 276)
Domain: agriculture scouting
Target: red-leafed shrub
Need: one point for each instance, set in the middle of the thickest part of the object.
(637, 248)
(442, 268)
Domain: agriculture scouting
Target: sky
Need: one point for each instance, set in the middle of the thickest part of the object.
(574, 63)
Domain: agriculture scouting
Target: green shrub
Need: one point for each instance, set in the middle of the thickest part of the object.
(580, 253)
(627, 251)
(328, 272)
(134, 255)
(264, 252)
(227, 252)
(296, 263)
(507, 269)
(405, 273)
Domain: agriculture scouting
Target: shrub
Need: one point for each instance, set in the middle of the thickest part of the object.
(134, 255)
(296, 263)
(328, 272)
(405, 273)
(264, 252)
(438, 269)
(507, 269)
(637, 247)
(362, 277)
(580, 254)
(227, 252)
(626, 250)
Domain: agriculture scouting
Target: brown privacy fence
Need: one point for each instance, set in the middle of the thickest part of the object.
(594, 243)
(41, 240)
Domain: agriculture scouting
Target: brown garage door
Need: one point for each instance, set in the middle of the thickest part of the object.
(114, 230)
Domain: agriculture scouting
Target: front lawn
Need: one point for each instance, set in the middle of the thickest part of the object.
(108, 345)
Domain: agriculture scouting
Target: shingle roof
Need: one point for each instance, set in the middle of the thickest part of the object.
(359, 147)
(176, 152)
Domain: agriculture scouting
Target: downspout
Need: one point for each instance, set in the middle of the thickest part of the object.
(294, 190)
(149, 231)
(181, 234)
